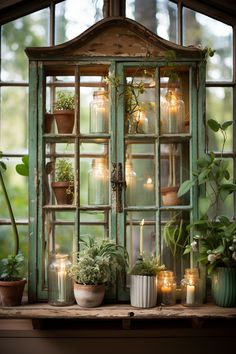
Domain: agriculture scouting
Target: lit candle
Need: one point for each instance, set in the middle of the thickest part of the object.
(141, 238)
(148, 196)
(61, 282)
(190, 294)
(166, 289)
(148, 185)
(142, 122)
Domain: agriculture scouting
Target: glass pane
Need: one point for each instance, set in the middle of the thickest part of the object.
(174, 238)
(140, 98)
(207, 32)
(74, 17)
(94, 104)
(59, 232)
(98, 231)
(158, 16)
(140, 235)
(27, 31)
(94, 174)
(174, 168)
(17, 189)
(94, 223)
(219, 106)
(175, 109)
(14, 120)
(140, 174)
(223, 207)
(59, 174)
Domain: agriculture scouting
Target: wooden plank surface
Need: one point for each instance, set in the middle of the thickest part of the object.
(44, 310)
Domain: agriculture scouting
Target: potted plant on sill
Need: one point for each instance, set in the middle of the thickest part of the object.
(64, 108)
(11, 282)
(215, 236)
(97, 265)
(143, 282)
(63, 186)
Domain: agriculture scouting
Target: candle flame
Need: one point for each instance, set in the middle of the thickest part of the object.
(149, 180)
(142, 223)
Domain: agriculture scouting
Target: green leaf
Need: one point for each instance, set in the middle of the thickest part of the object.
(185, 187)
(23, 168)
(226, 124)
(204, 205)
(213, 124)
(203, 176)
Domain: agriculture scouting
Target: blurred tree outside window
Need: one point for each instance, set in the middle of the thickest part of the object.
(71, 18)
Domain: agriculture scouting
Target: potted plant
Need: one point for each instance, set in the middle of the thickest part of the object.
(97, 265)
(215, 236)
(63, 186)
(143, 282)
(11, 282)
(64, 112)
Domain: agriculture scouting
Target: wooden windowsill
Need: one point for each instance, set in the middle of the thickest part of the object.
(117, 311)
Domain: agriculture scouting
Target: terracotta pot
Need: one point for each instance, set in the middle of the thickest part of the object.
(11, 292)
(143, 291)
(89, 295)
(61, 194)
(169, 196)
(65, 121)
(48, 123)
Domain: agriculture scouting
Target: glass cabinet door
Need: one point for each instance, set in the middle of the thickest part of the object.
(119, 163)
(155, 150)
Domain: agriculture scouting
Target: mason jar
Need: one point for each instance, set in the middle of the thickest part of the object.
(99, 112)
(60, 285)
(98, 192)
(190, 288)
(167, 288)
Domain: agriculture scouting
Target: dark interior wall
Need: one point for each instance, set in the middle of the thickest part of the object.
(117, 337)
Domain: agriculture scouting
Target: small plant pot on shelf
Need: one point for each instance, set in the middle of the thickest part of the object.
(169, 195)
(89, 295)
(48, 123)
(63, 192)
(64, 121)
(11, 292)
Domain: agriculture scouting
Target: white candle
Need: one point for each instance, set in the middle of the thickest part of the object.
(141, 238)
(190, 294)
(61, 283)
(148, 185)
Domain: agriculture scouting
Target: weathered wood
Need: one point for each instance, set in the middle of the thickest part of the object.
(114, 36)
(44, 311)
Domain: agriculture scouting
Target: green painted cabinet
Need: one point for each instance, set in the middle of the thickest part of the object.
(137, 127)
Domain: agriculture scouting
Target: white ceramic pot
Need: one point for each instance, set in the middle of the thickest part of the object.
(89, 295)
(143, 291)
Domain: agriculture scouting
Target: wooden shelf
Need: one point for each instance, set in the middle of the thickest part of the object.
(45, 311)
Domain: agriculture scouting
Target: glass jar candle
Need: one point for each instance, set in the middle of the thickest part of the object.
(130, 178)
(190, 289)
(99, 112)
(60, 286)
(98, 183)
(172, 112)
(167, 288)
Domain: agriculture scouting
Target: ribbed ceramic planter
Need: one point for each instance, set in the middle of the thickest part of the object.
(143, 291)
(223, 286)
(89, 295)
